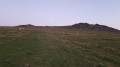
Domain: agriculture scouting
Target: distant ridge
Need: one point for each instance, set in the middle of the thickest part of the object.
(95, 27)
(27, 25)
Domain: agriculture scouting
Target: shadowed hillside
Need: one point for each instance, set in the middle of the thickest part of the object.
(95, 27)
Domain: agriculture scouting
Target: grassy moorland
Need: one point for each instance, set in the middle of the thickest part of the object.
(58, 47)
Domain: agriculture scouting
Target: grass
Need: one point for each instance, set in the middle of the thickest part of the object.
(58, 47)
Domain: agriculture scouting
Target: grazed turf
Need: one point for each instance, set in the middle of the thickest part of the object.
(100, 49)
(37, 48)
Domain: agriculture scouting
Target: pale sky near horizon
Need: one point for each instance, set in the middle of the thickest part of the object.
(59, 12)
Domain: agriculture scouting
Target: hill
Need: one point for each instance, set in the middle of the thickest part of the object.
(27, 25)
(95, 27)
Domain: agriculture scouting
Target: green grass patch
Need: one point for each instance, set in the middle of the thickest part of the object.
(38, 49)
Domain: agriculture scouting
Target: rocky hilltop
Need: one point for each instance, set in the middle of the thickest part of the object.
(28, 25)
(95, 27)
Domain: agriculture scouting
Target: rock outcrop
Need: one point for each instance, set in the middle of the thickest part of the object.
(95, 27)
(28, 25)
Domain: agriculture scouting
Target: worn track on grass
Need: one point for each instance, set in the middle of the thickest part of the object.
(42, 47)
(36, 49)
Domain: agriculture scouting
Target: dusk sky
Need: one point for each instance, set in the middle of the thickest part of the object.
(59, 12)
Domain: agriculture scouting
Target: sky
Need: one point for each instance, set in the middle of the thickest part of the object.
(59, 12)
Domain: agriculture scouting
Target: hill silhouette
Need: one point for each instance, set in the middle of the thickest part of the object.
(95, 27)
(27, 25)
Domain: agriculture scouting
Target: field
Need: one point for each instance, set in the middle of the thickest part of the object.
(58, 47)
